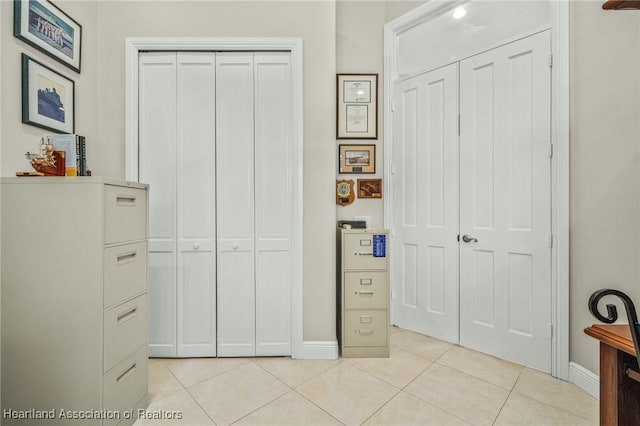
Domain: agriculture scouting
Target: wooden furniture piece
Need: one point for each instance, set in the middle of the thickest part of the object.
(363, 293)
(74, 300)
(619, 387)
(621, 4)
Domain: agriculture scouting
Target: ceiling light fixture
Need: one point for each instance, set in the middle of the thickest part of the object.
(459, 12)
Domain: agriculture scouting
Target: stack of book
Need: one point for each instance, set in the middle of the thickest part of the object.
(74, 147)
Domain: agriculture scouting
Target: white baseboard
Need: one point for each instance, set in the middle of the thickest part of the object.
(584, 379)
(320, 349)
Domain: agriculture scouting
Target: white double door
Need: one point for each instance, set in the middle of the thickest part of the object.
(215, 144)
(471, 202)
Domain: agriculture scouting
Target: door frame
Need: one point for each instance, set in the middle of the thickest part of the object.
(133, 46)
(560, 101)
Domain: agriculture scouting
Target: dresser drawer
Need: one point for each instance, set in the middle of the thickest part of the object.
(125, 272)
(125, 214)
(358, 252)
(365, 327)
(365, 289)
(125, 329)
(125, 384)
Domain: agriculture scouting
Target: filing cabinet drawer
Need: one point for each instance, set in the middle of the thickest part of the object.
(358, 253)
(365, 327)
(125, 329)
(125, 214)
(365, 290)
(125, 272)
(125, 384)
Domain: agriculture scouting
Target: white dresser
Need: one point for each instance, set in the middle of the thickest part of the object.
(363, 292)
(74, 300)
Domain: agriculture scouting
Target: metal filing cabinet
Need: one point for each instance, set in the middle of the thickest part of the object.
(363, 292)
(74, 299)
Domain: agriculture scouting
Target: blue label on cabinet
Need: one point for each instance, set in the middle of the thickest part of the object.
(379, 246)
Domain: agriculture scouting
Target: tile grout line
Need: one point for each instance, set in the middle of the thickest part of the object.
(382, 406)
(200, 405)
(316, 405)
(342, 362)
(174, 376)
(289, 391)
(552, 406)
(427, 402)
(544, 403)
(507, 398)
(252, 360)
(216, 375)
(190, 395)
(399, 389)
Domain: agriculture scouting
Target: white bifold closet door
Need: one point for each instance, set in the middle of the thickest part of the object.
(214, 145)
(254, 203)
(177, 158)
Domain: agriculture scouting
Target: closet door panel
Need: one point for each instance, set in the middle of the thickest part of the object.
(273, 195)
(162, 304)
(235, 204)
(196, 307)
(157, 124)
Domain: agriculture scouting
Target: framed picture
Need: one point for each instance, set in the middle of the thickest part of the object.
(44, 26)
(357, 159)
(357, 106)
(369, 188)
(47, 97)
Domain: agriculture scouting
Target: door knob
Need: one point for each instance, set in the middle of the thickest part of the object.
(234, 246)
(468, 239)
(196, 246)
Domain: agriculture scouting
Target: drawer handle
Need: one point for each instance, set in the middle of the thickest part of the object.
(127, 257)
(365, 332)
(128, 372)
(365, 292)
(126, 316)
(363, 254)
(366, 281)
(365, 242)
(126, 200)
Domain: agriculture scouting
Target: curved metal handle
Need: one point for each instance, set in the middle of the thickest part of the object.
(612, 313)
(468, 239)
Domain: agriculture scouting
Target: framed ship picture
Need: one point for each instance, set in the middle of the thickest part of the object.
(48, 98)
(46, 27)
(357, 159)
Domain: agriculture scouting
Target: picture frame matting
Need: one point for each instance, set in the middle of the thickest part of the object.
(357, 159)
(48, 97)
(357, 106)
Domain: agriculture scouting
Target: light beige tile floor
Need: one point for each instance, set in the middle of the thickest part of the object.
(424, 382)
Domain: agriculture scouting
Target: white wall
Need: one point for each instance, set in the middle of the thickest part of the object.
(605, 153)
(360, 49)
